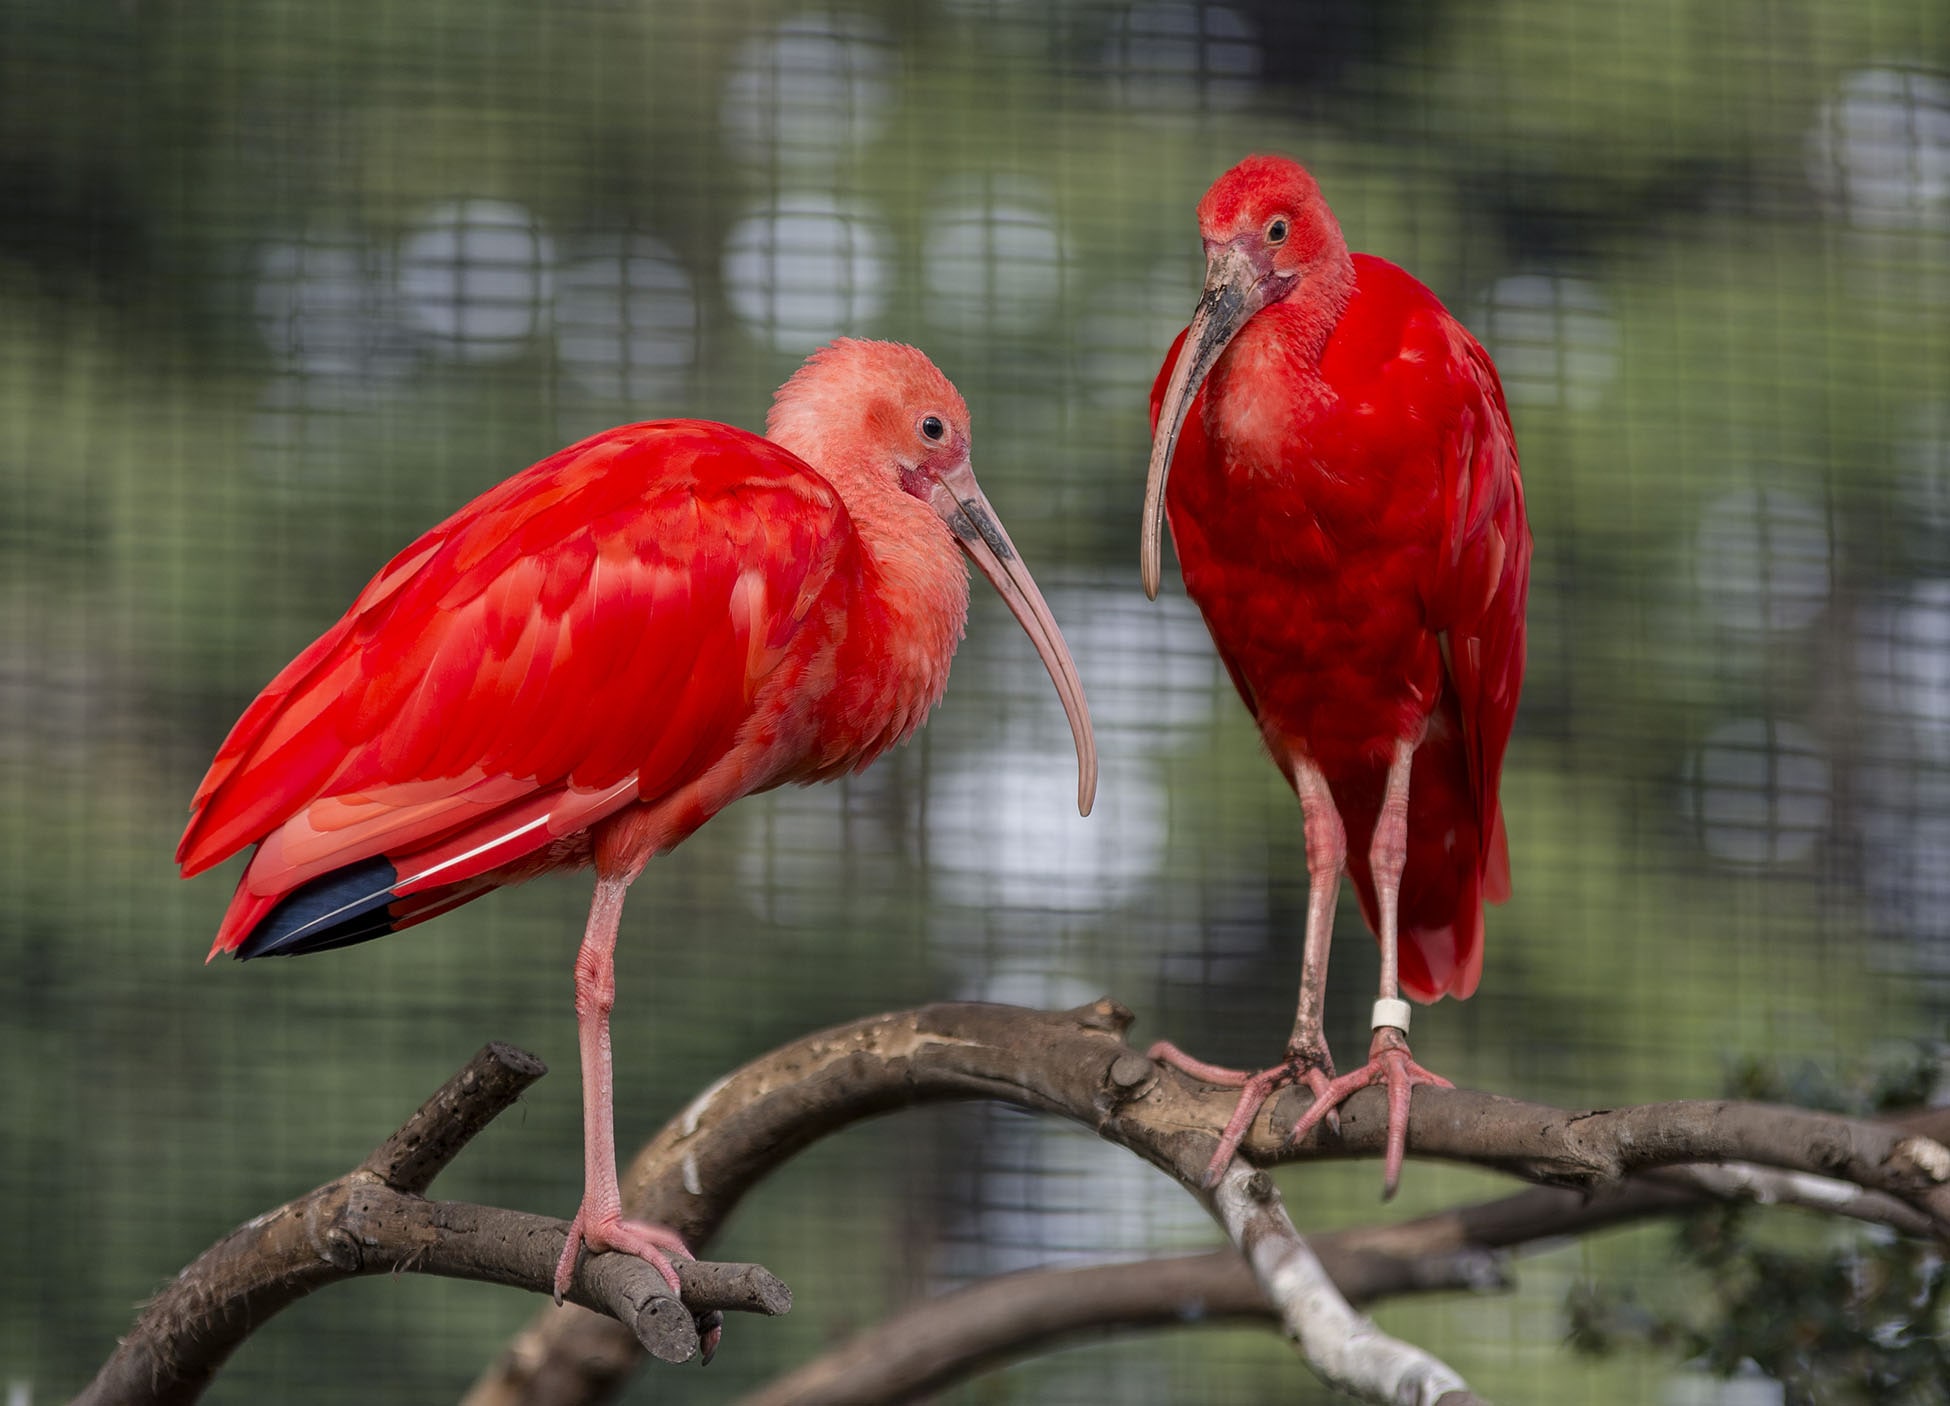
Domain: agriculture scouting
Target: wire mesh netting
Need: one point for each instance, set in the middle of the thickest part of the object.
(283, 284)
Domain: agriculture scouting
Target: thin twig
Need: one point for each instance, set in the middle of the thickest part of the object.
(1766, 1186)
(484, 1088)
(372, 1221)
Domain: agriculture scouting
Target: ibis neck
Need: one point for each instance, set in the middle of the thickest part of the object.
(909, 610)
(1306, 317)
(1268, 379)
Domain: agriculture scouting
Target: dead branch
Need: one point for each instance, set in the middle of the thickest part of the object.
(937, 1342)
(373, 1221)
(1012, 1316)
(1743, 1181)
(1076, 1064)
(944, 1340)
(1344, 1346)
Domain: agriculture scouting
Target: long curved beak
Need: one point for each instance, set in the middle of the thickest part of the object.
(1233, 293)
(959, 499)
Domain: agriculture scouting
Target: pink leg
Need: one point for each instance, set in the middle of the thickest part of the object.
(1389, 1059)
(1308, 1061)
(599, 1222)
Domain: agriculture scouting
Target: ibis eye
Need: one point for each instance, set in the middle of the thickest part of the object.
(932, 427)
(1276, 232)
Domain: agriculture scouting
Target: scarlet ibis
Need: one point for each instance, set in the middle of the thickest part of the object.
(589, 661)
(1338, 464)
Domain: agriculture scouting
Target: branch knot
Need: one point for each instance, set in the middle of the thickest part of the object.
(1104, 1014)
(1920, 1160)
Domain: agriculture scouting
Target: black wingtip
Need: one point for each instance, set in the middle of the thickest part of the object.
(338, 909)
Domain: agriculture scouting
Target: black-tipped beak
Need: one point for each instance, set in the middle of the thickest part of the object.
(958, 498)
(1234, 291)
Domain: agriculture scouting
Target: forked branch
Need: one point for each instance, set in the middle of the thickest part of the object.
(1342, 1344)
(1076, 1064)
(939, 1341)
(374, 1220)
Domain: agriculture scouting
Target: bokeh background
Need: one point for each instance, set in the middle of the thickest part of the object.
(284, 282)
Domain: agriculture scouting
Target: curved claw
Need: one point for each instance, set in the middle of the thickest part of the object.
(1318, 1082)
(710, 1333)
(654, 1243)
(1313, 1069)
(1390, 1062)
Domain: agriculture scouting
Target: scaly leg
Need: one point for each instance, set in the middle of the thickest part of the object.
(1308, 1061)
(1389, 1059)
(599, 1222)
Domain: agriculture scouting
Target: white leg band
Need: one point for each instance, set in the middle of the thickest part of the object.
(1390, 1010)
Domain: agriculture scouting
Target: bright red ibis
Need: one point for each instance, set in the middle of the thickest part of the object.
(586, 663)
(1345, 503)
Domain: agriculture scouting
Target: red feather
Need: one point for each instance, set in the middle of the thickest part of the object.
(1363, 566)
(592, 659)
(592, 632)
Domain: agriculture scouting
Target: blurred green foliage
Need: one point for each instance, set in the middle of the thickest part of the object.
(1838, 1315)
(1709, 244)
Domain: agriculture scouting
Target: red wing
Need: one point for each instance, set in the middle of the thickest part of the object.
(1477, 598)
(589, 632)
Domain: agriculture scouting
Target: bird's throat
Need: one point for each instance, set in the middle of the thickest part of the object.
(1265, 393)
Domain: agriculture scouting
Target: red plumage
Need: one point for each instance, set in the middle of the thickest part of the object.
(1329, 588)
(588, 662)
(1345, 502)
(560, 649)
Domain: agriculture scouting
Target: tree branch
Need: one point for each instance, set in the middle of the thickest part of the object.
(1076, 1064)
(1343, 1345)
(1743, 1181)
(943, 1340)
(937, 1342)
(372, 1221)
